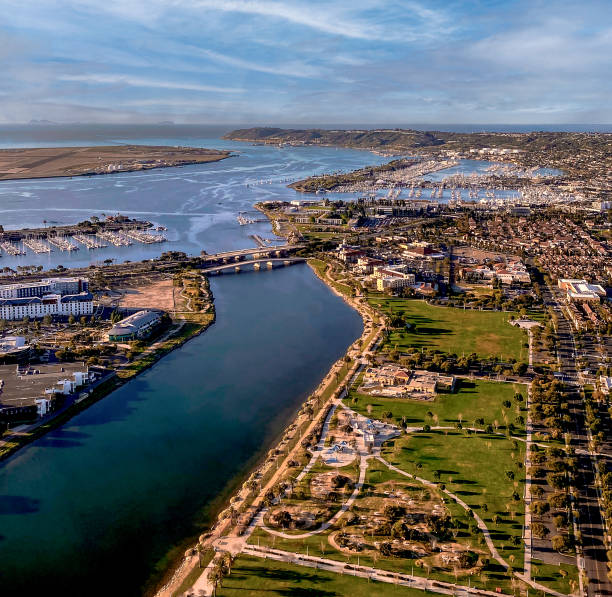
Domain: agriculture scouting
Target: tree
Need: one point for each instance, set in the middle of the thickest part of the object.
(399, 530)
(539, 530)
(283, 519)
(561, 543)
(520, 368)
(467, 559)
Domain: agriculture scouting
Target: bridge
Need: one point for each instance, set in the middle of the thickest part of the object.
(268, 262)
(254, 254)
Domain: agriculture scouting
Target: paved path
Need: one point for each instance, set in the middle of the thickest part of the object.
(396, 578)
(481, 525)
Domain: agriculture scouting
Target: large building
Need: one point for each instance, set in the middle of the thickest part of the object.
(392, 277)
(60, 286)
(581, 290)
(135, 326)
(53, 296)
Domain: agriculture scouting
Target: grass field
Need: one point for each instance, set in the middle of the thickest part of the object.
(562, 578)
(474, 468)
(473, 399)
(255, 576)
(454, 330)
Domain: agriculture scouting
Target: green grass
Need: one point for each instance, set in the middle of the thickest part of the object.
(472, 399)
(256, 576)
(474, 468)
(318, 265)
(550, 576)
(454, 330)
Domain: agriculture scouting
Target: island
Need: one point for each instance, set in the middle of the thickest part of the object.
(49, 162)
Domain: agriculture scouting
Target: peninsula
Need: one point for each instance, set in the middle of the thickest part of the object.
(48, 162)
(584, 158)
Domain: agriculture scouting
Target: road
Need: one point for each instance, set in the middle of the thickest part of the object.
(591, 521)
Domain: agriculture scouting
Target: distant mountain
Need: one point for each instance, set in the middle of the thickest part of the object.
(42, 122)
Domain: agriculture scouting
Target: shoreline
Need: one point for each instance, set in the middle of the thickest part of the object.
(184, 568)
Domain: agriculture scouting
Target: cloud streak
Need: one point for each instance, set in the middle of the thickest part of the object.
(131, 81)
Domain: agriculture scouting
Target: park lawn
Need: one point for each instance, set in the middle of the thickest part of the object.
(256, 576)
(318, 265)
(473, 467)
(318, 544)
(550, 576)
(454, 330)
(473, 399)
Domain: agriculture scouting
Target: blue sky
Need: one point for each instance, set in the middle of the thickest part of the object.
(269, 61)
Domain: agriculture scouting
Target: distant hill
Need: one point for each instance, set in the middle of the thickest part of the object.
(391, 139)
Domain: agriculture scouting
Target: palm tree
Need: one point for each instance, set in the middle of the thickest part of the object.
(228, 559)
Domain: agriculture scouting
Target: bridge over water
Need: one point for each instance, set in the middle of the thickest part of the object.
(244, 254)
(256, 264)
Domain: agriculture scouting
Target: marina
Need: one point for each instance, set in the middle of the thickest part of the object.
(37, 246)
(90, 241)
(62, 243)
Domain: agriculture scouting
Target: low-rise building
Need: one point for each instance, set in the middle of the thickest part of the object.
(605, 383)
(34, 391)
(137, 325)
(394, 381)
(581, 290)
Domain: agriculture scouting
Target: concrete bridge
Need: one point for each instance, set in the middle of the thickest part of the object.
(257, 264)
(244, 254)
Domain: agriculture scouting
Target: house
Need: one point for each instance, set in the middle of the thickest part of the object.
(605, 384)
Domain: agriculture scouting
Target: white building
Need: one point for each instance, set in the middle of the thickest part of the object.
(135, 326)
(605, 384)
(393, 282)
(581, 290)
(52, 304)
(52, 296)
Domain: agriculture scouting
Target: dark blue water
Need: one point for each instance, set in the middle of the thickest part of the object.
(99, 503)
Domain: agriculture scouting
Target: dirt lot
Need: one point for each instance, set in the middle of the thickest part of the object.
(159, 295)
(75, 161)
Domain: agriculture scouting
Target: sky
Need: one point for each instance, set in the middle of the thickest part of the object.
(267, 62)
